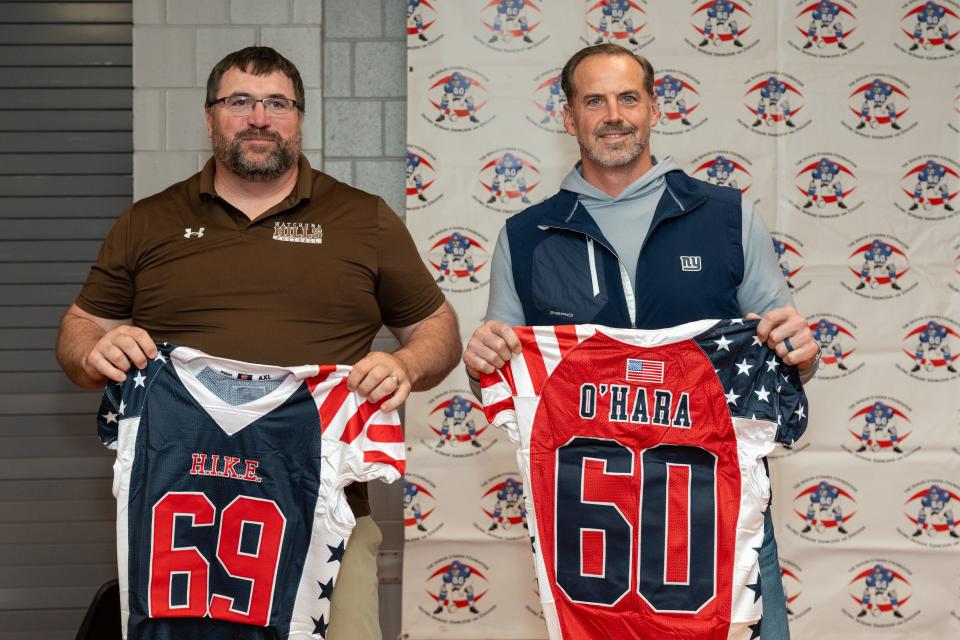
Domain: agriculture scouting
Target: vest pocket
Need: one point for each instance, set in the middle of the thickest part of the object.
(568, 280)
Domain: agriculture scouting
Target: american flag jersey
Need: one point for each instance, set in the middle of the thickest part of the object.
(646, 499)
(229, 477)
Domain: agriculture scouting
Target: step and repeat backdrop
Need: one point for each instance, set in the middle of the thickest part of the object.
(841, 121)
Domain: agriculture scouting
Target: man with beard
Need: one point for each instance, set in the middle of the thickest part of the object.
(631, 243)
(262, 259)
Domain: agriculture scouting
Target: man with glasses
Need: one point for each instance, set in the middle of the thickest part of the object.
(262, 259)
(632, 244)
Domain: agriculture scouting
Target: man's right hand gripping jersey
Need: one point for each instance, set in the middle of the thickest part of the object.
(643, 453)
(231, 516)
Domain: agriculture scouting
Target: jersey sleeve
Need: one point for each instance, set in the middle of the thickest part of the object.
(124, 400)
(757, 383)
(496, 394)
(361, 441)
(108, 416)
(792, 407)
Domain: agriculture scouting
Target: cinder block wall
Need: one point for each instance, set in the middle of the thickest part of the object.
(176, 43)
(365, 88)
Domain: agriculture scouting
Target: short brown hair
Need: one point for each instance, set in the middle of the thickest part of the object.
(258, 61)
(605, 49)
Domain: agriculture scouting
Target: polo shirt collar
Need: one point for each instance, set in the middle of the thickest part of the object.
(302, 190)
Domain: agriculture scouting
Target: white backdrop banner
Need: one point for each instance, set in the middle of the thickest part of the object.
(841, 121)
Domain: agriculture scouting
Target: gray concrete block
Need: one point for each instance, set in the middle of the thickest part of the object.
(338, 69)
(308, 11)
(380, 69)
(315, 158)
(394, 128)
(352, 128)
(202, 158)
(147, 12)
(385, 178)
(154, 171)
(214, 43)
(147, 119)
(342, 170)
(395, 19)
(185, 127)
(259, 11)
(300, 45)
(194, 12)
(313, 121)
(163, 57)
(353, 18)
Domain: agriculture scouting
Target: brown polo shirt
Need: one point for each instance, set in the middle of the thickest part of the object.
(310, 281)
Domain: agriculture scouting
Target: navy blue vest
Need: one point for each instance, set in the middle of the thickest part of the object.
(690, 263)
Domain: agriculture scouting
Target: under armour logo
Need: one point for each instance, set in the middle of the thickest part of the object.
(687, 263)
(190, 233)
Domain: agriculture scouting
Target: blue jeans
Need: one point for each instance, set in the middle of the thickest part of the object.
(774, 626)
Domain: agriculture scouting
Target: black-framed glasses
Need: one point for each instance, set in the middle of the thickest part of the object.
(244, 105)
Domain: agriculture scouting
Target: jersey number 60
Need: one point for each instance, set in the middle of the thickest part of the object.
(676, 481)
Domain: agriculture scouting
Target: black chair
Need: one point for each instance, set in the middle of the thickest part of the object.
(102, 621)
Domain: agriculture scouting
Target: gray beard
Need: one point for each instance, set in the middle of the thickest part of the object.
(230, 154)
(616, 156)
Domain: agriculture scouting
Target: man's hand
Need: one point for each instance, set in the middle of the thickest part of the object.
(784, 324)
(490, 347)
(113, 354)
(94, 350)
(379, 375)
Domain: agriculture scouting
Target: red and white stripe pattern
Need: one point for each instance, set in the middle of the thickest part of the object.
(375, 435)
(543, 349)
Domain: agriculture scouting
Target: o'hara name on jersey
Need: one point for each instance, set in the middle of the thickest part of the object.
(224, 467)
(638, 405)
(298, 232)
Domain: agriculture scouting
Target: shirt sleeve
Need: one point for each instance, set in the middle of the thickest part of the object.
(503, 303)
(763, 287)
(109, 289)
(406, 292)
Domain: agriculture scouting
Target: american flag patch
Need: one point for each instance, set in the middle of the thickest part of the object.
(644, 370)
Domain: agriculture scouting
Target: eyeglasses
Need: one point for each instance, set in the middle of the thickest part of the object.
(244, 105)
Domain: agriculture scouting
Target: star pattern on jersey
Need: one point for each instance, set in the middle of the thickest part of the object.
(755, 587)
(755, 629)
(755, 381)
(122, 407)
(723, 344)
(319, 626)
(110, 417)
(732, 397)
(326, 589)
(336, 553)
(762, 394)
(139, 380)
(160, 357)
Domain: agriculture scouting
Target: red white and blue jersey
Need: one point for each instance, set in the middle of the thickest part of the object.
(229, 477)
(643, 456)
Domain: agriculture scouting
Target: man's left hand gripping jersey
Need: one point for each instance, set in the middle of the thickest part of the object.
(231, 516)
(643, 453)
